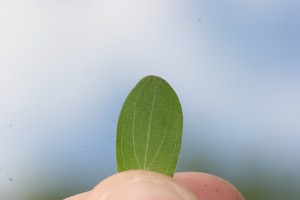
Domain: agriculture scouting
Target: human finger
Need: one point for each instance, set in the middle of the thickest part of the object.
(207, 186)
(81, 196)
(140, 185)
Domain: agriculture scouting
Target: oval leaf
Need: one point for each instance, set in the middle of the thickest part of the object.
(149, 128)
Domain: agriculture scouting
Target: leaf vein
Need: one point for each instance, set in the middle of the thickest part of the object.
(163, 139)
(149, 127)
(122, 146)
(133, 127)
(174, 148)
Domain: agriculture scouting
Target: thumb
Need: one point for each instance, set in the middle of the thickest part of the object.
(140, 185)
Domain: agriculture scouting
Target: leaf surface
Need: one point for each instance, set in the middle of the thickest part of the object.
(149, 130)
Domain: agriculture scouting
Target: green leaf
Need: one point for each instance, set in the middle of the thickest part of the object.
(149, 128)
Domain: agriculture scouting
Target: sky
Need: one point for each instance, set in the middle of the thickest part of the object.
(66, 67)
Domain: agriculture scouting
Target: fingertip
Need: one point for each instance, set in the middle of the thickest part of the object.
(207, 186)
(140, 185)
(81, 196)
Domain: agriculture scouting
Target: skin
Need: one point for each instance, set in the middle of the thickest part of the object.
(146, 185)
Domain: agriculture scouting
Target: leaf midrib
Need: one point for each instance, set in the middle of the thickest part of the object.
(149, 127)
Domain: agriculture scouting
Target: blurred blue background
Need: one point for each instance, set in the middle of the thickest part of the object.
(66, 67)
